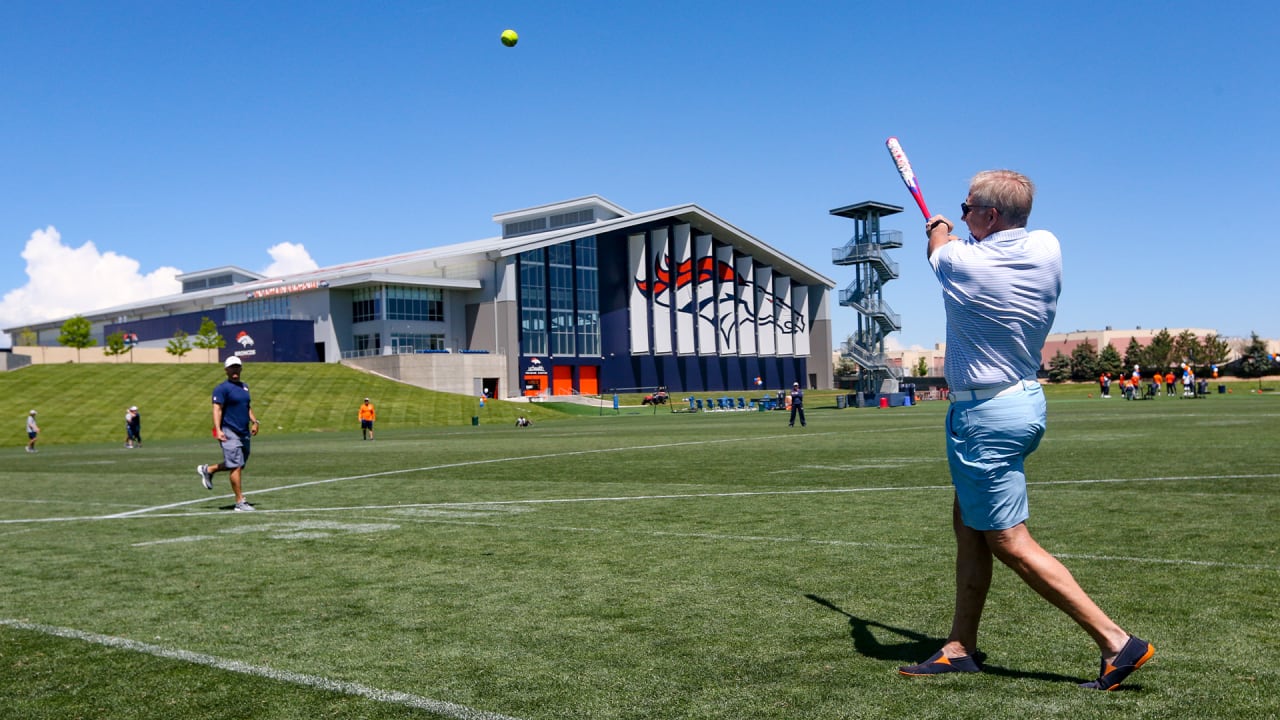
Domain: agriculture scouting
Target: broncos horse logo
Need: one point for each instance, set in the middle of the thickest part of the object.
(694, 284)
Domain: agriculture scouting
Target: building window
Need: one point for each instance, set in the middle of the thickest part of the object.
(587, 276)
(415, 303)
(272, 308)
(368, 344)
(410, 343)
(366, 304)
(533, 302)
(524, 227)
(579, 217)
(560, 300)
(560, 276)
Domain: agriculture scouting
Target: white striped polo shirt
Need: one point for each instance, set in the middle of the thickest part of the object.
(1001, 294)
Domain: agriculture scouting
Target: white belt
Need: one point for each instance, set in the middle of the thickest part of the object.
(991, 392)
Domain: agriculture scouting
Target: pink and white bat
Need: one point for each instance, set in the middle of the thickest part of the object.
(908, 177)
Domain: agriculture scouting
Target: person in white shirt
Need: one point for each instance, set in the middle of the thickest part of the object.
(1000, 289)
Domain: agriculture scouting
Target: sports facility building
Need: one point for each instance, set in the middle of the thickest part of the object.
(579, 296)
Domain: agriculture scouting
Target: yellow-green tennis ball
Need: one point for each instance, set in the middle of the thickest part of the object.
(510, 38)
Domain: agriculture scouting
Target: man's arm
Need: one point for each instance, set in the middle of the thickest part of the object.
(217, 422)
(938, 228)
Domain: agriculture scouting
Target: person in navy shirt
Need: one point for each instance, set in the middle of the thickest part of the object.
(797, 405)
(233, 425)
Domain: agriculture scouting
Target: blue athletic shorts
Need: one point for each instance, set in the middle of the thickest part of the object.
(987, 444)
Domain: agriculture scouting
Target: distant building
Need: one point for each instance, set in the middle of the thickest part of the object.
(1118, 339)
(579, 296)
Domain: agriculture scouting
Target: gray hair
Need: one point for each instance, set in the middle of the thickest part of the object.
(1007, 191)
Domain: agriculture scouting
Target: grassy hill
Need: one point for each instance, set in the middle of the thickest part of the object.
(86, 403)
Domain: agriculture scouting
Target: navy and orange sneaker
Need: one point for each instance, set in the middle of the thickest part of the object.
(938, 664)
(1133, 655)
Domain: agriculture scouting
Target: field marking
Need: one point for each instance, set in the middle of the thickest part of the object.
(674, 534)
(842, 543)
(297, 530)
(446, 466)
(1168, 561)
(391, 697)
(8, 501)
(616, 498)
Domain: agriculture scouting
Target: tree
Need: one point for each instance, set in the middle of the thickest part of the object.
(1186, 348)
(1255, 360)
(179, 345)
(1214, 350)
(922, 367)
(1109, 361)
(208, 337)
(28, 337)
(1084, 362)
(1133, 354)
(116, 345)
(1060, 368)
(1159, 352)
(846, 367)
(77, 333)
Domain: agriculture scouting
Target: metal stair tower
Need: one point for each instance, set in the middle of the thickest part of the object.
(866, 252)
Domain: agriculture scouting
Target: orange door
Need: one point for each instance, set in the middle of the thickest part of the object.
(589, 380)
(562, 380)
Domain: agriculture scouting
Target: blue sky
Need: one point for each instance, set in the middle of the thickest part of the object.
(142, 139)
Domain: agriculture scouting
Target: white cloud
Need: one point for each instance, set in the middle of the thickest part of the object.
(287, 259)
(893, 344)
(64, 280)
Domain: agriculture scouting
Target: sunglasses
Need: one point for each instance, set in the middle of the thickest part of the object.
(966, 207)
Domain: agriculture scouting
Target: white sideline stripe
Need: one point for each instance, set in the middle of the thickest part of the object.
(469, 463)
(836, 543)
(393, 697)
(622, 498)
(1167, 561)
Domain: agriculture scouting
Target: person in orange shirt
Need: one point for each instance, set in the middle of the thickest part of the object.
(1155, 383)
(1168, 383)
(367, 416)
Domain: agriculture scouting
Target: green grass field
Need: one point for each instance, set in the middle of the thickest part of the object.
(630, 565)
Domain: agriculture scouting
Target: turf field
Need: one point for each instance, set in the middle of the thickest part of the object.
(635, 565)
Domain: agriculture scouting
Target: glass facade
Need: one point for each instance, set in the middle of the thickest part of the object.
(398, 302)
(587, 276)
(415, 342)
(272, 308)
(533, 302)
(560, 287)
(415, 303)
(366, 304)
(560, 300)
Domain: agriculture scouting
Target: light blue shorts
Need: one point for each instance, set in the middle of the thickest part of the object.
(988, 442)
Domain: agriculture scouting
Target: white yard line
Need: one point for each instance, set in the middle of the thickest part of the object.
(615, 498)
(392, 697)
(469, 463)
(820, 541)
